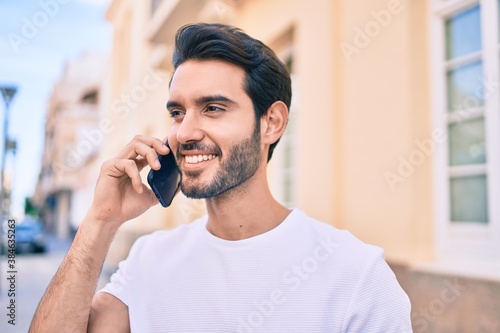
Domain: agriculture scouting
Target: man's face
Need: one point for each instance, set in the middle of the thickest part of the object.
(214, 135)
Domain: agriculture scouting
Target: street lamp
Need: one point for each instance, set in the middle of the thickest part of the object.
(8, 93)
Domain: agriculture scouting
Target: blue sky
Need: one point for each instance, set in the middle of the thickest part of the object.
(37, 37)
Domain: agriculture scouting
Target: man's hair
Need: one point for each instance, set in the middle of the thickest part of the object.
(267, 79)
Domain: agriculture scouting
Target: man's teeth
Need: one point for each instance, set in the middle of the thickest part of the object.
(192, 159)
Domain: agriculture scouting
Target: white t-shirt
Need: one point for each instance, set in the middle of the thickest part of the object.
(302, 276)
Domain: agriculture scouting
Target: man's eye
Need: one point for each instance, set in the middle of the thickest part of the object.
(177, 115)
(213, 108)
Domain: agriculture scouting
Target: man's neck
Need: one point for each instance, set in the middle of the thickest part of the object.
(244, 212)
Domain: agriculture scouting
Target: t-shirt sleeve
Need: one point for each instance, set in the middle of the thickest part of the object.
(119, 284)
(378, 304)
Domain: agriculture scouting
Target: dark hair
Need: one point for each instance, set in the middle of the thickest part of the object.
(267, 79)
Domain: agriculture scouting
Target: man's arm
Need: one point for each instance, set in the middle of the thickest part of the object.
(119, 196)
(108, 314)
(378, 304)
(66, 304)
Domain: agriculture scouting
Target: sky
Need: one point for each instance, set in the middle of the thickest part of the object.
(37, 38)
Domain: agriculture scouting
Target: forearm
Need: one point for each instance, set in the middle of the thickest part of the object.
(119, 196)
(66, 303)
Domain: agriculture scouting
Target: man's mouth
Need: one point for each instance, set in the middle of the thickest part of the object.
(193, 159)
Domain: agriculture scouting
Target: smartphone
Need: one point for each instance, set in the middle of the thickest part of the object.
(165, 181)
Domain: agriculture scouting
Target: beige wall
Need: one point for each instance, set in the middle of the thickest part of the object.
(383, 106)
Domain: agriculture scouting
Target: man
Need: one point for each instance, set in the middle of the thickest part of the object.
(251, 264)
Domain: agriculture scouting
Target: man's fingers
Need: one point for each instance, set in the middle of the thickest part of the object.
(140, 152)
(147, 147)
(141, 162)
(122, 167)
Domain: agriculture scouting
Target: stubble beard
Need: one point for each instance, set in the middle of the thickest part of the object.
(241, 164)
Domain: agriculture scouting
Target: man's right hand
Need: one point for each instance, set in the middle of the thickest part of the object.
(120, 194)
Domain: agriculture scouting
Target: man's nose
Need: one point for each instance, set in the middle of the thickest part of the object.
(190, 129)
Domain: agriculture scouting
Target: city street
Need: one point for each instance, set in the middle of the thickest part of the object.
(34, 272)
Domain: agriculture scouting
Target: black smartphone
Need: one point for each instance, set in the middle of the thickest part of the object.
(165, 181)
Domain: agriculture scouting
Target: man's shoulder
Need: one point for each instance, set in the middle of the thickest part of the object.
(341, 237)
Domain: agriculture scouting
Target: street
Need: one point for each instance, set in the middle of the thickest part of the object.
(33, 274)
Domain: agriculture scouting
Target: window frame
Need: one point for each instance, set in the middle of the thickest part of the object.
(466, 240)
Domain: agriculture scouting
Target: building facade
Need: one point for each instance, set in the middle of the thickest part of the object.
(70, 156)
(394, 131)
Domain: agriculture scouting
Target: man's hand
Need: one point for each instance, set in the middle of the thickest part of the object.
(120, 194)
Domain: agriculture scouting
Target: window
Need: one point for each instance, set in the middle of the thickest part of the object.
(465, 57)
(154, 5)
(91, 97)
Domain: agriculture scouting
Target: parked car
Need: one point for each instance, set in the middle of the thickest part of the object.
(29, 237)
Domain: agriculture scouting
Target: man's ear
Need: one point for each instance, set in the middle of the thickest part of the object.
(273, 123)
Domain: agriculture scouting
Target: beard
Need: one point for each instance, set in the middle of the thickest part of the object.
(241, 164)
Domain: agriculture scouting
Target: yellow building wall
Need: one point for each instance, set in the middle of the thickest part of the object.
(383, 108)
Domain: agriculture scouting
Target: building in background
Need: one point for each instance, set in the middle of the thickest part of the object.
(72, 142)
(394, 131)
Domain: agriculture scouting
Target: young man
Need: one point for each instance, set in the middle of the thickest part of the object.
(251, 264)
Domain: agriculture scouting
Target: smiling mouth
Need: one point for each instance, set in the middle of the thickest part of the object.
(193, 159)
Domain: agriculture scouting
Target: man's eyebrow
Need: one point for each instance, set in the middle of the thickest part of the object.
(213, 98)
(173, 104)
(203, 100)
